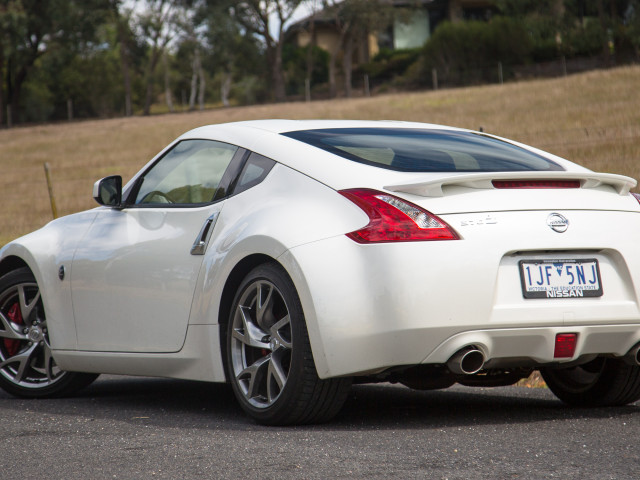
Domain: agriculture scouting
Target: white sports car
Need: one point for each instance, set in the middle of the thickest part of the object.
(292, 258)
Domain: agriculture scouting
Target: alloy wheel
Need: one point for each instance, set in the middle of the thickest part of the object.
(261, 343)
(25, 351)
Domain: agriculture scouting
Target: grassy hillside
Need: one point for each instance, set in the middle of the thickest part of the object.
(592, 119)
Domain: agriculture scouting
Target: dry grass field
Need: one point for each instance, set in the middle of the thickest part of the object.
(592, 119)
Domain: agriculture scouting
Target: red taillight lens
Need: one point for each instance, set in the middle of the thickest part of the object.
(637, 196)
(565, 345)
(536, 183)
(392, 219)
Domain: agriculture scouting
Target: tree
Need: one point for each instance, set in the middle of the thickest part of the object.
(256, 17)
(156, 24)
(121, 17)
(355, 20)
(31, 29)
(230, 53)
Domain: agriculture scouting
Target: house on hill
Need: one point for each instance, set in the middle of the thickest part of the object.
(410, 30)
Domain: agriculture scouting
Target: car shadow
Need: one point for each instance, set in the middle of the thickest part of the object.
(176, 403)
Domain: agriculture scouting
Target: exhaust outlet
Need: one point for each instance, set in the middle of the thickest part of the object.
(467, 361)
(633, 356)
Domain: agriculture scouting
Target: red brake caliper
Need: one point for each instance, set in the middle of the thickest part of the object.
(15, 315)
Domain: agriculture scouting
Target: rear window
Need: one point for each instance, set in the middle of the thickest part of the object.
(425, 150)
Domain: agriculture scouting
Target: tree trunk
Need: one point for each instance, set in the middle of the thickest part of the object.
(148, 101)
(124, 57)
(603, 23)
(277, 73)
(332, 74)
(1, 85)
(195, 66)
(126, 76)
(16, 92)
(167, 86)
(225, 89)
(313, 41)
(201, 86)
(347, 64)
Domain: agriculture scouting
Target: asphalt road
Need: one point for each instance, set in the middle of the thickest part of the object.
(139, 428)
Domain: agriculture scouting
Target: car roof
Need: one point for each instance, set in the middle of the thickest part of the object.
(283, 125)
(264, 137)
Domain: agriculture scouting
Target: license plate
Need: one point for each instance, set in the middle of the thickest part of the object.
(565, 278)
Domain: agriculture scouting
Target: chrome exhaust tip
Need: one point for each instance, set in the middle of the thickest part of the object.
(467, 361)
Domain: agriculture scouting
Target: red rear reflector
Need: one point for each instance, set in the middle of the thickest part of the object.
(392, 219)
(536, 183)
(565, 345)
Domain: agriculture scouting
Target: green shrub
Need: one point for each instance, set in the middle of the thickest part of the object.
(584, 40)
(388, 64)
(468, 52)
(294, 59)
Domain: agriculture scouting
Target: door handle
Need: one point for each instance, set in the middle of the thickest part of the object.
(202, 240)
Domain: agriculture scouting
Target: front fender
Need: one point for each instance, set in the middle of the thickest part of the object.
(45, 251)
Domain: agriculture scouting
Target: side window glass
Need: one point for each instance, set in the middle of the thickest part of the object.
(188, 174)
(254, 171)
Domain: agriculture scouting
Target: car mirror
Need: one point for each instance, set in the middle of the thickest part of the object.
(108, 191)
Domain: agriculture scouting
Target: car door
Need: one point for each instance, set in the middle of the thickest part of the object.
(134, 274)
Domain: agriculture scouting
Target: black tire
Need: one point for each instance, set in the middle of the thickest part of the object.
(27, 368)
(603, 382)
(268, 354)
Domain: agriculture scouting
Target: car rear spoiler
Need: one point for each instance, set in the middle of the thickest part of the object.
(433, 188)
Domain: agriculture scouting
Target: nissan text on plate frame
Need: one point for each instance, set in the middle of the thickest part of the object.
(294, 258)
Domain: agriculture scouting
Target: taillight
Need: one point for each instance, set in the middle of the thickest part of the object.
(536, 183)
(392, 219)
(637, 196)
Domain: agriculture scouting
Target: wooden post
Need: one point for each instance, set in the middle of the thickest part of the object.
(564, 65)
(52, 199)
(367, 91)
(307, 89)
(69, 109)
(9, 117)
(434, 78)
(500, 72)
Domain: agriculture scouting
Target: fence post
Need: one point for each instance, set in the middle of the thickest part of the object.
(9, 117)
(564, 65)
(500, 72)
(69, 109)
(434, 78)
(367, 92)
(307, 89)
(52, 199)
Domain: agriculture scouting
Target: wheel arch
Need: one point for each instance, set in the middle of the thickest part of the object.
(11, 263)
(241, 269)
(291, 268)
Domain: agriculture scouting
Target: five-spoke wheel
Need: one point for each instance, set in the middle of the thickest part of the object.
(27, 367)
(269, 358)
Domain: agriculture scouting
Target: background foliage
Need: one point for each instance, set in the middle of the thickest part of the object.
(108, 58)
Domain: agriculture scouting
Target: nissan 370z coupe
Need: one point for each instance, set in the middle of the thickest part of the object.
(292, 258)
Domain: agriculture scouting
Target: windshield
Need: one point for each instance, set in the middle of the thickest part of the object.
(415, 150)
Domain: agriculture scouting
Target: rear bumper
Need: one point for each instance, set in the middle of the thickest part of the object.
(379, 306)
(535, 346)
